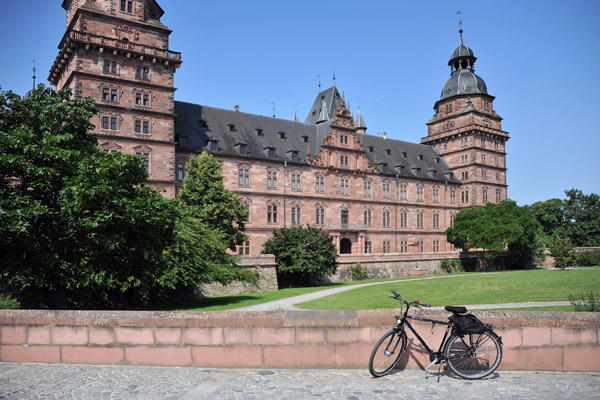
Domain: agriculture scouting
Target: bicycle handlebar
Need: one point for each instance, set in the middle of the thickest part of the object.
(415, 303)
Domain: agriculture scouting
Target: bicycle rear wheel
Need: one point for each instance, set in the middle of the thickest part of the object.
(387, 353)
(474, 356)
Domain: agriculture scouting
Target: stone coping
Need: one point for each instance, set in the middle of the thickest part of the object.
(300, 318)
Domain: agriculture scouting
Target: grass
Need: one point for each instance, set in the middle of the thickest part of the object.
(546, 308)
(480, 288)
(221, 303)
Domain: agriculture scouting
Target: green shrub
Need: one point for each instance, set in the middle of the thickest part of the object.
(450, 265)
(588, 258)
(563, 252)
(589, 304)
(7, 302)
(358, 273)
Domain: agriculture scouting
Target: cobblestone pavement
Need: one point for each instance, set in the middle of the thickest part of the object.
(60, 381)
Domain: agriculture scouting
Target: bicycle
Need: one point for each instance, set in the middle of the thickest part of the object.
(469, 355)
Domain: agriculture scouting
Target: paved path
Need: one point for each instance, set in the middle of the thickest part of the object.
(59, 381)
(288, 303)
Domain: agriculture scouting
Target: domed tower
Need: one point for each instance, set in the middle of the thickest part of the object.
(468, 134)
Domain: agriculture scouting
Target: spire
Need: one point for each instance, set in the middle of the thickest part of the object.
(323, 115)
(296, 116)
(360, 122)
(460, 30)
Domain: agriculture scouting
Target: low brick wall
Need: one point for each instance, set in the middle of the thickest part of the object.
(293, 339)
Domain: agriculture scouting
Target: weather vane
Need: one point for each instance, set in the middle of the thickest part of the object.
(34, 74)
(273, 102)
(459, 19)
(319, 76)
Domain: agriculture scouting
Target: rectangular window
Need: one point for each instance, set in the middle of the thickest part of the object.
(271, 214)
(386, 190)
(403, 219)
(464, 196)
(296, 216)
(436, 220)
(344, 187)
(436, 246)
(146, 157)
(453, 196)
(296, 182)
(421, 246)
(319, 184)
(367, 218)
(386, 218)
(419, 193)
(244, 248)
(243, 148)
(105, 122)
(146, 126)
(368, 246)
(272, 180)
(403, 246)
(320, 216)
(436, 195)
(113, 95)
(452, 220)
(113, 67)
(386, 246)
(367, 188)
(105, 94)
(138, 126)
(294, 155)
(138, 99)
(146, 100)
(106, 67)
(243, 177)
(214, 145)
(344, 217)
(113, 123)
(180, 171)
(403, 192)
(419, 220)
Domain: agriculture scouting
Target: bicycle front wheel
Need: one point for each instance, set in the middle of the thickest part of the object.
(387, 353)
(474, 356)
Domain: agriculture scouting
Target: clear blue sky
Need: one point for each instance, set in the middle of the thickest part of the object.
(541, 59)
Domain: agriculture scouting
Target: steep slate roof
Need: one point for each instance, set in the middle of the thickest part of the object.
(331, 97)
(201, 124)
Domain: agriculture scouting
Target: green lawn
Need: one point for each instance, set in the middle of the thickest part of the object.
(480, 288)
(221, 303)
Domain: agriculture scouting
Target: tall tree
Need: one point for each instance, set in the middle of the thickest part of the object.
(211, 222)
(496, 227)
(550, 215)
(582, 218)
(71, 216)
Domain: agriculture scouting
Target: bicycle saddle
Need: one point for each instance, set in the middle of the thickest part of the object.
(456, 310)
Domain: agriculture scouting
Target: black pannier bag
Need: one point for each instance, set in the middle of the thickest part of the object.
(468, 324)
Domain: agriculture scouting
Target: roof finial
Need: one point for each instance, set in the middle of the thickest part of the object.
(34, 74)
(273, 102)
(460, 25)
(334, 76)
(319, 76)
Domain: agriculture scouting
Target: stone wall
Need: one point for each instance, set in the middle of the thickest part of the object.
(294, 339)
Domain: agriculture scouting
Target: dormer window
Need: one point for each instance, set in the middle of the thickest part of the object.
(294, 155)
(370, 149)
(400, 168)
(213, 145)
(420, 156)
(203, 124)
(243, 148)
(417, 171)
(388, 151)
(231, 128)
(383, 167)
(404, 154)
(281, 135)
(259, 132)
(305, 139)
(271, 152)
(437, 160)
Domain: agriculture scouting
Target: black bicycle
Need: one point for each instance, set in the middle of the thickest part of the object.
(471, 352)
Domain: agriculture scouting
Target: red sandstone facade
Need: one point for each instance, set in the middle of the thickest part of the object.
(367, 192)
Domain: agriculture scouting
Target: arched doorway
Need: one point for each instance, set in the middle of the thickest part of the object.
(345, 246)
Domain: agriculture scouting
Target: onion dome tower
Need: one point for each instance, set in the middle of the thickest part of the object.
(468, 133)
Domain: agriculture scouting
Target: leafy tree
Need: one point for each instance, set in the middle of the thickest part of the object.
(302, 254)
(582, 218)
(496, 227)
(211, 221)
(550, 215)
(563, 252)
(72, 217)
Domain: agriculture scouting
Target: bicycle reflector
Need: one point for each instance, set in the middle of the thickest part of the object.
(416, 300)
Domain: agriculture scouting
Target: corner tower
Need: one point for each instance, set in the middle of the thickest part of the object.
(468, 134)
(117, 51)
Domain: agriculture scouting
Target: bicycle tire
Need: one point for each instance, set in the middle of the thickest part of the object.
(477, 359)
(387, 353)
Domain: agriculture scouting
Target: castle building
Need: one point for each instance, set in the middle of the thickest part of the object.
(373, 194)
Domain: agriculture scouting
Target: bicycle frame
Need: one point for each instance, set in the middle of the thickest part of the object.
(437, 356)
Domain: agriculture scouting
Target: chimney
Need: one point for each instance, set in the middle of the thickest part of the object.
(236, 107)
(384, 135)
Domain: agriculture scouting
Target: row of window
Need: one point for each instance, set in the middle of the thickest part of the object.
(112, 67)
(386, 215)
(111, 95)
(386, 246)
(112, 123)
